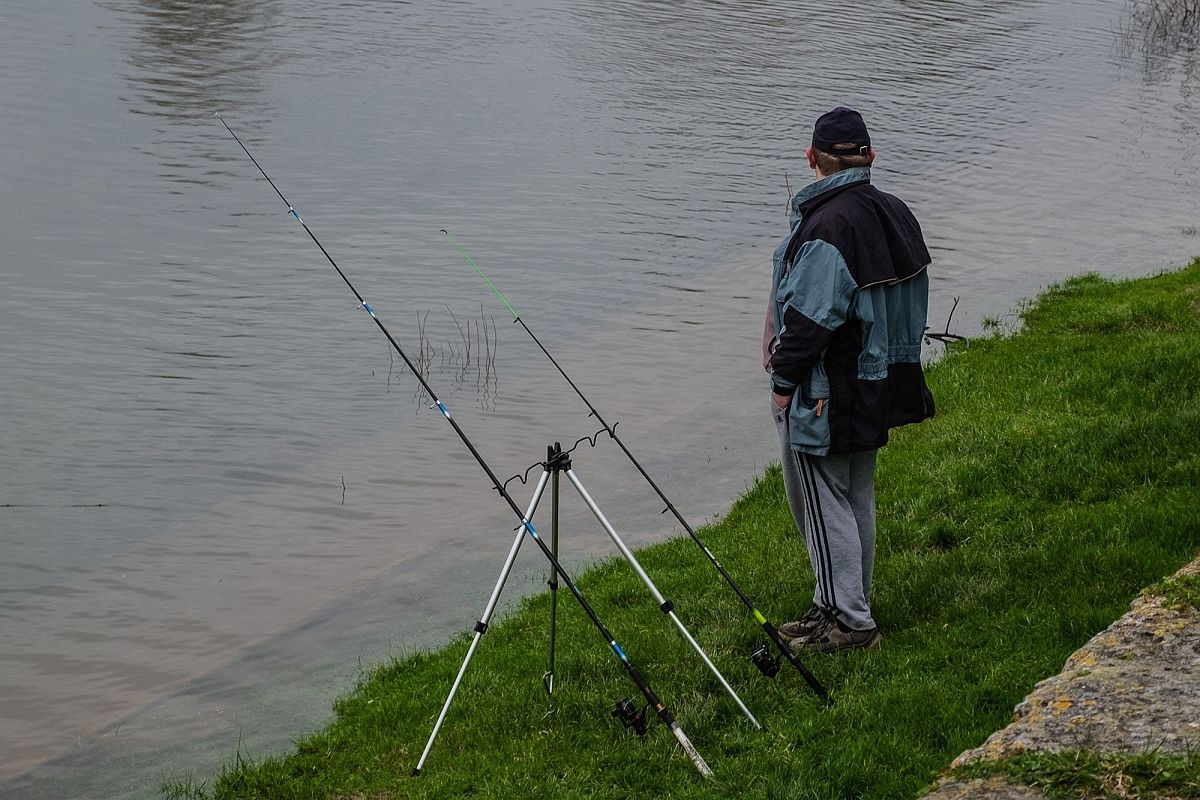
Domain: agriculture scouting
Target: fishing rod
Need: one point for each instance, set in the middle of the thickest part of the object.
(635, 675)
(761, 657)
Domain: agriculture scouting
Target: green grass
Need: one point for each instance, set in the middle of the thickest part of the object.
(1083, 775)
(1058, 479)
(1179, 592)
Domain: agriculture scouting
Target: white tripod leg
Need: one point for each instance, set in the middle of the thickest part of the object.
(665, 606)
(482, 626)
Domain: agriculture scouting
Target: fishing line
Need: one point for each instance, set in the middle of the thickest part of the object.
(631, 670)
(761, 657)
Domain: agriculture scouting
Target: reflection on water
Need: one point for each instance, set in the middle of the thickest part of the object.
(189, 58)
(1162, 37)
(205, 467)
(1156, 30)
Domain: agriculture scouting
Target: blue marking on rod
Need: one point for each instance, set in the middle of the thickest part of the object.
(529, 527)
(443, 409)
(617, 649)
(367, 308)
(292, 211)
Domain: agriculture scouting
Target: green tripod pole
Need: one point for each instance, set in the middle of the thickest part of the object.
(548, 677)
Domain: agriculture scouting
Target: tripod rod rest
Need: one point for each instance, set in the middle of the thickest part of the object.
(556, 459)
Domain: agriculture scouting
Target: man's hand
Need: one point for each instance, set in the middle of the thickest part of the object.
(781, 400)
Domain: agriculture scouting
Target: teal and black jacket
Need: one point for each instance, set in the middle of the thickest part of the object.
(850, 293)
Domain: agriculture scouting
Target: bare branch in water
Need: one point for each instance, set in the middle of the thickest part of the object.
(466, 344)
(454, 358)
(945, 337)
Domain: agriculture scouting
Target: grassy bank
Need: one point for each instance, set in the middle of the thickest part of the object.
(1058, 479)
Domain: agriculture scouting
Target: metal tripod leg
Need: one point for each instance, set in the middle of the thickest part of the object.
(664, 605)
(482, 626)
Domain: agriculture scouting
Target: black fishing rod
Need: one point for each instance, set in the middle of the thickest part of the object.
(762, 659)
(634, 674)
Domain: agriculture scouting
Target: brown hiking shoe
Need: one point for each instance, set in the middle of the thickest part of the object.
(833, 636)
(804, 627)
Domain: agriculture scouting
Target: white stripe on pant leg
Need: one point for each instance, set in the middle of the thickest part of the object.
(820, 536)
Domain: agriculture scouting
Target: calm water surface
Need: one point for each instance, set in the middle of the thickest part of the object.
(220, 492)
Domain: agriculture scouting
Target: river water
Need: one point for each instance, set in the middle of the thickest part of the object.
(221, 495)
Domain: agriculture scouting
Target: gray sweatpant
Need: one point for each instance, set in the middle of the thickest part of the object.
(833, 502)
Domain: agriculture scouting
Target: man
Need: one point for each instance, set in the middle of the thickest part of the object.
(849, 295)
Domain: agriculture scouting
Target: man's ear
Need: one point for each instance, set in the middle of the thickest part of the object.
(812, 157)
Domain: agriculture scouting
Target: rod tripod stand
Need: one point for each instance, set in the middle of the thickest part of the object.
(556, 464)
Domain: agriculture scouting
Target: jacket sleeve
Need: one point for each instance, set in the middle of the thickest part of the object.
(815, 295)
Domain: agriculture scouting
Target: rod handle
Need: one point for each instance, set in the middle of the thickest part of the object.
(692, 752)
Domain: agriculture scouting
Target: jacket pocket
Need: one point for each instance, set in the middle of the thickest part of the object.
(815, 388)
(807, 429)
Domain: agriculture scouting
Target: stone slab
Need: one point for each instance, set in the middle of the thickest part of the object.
(1132, 688)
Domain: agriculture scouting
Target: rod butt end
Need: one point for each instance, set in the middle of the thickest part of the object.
(697, 760)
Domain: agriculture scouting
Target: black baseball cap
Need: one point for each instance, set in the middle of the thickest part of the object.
(841, 126)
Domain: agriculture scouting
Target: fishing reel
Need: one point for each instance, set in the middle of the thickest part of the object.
(630, 717)
(766, 662)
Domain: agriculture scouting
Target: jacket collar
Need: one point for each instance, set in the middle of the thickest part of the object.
(804, 199)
